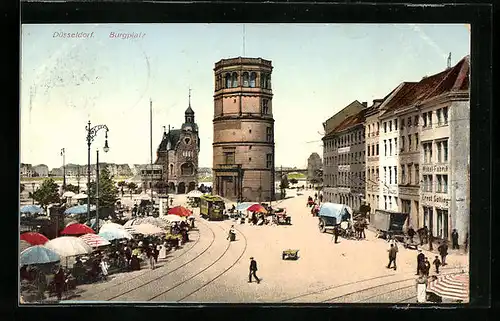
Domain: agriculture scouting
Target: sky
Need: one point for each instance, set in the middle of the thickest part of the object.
(318, 70)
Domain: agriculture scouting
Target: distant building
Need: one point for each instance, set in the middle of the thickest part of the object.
(314, 166)
(26, 170)
(41, 170)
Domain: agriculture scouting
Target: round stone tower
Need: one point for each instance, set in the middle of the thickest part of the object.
(243, 146)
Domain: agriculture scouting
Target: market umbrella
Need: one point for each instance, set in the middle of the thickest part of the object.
(32, 209)
(93, 224)
(134, 221)
(94, 240)
(79, 209)
(180, 211)
(156, 221)
(244, 206)
(146, 229)
(69, 246)
(172, 218)
(195, 193)
(111, 226)
(451, 286)
(34, 238)
(77, 229)
(38, 254)
(115, 234)
(257, 208)
(68, 194)
(80, 196)
(23, 245)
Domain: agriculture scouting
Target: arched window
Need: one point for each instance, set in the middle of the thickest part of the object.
(263, 80)
(235, 80)
(187, 169)
(228, 80)
(245, 79)
(268, 83)
(253, 79)
(171, 169)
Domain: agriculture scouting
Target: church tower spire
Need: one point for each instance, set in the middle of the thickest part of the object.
(189, 113)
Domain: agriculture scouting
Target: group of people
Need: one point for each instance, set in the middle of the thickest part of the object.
(425, 236)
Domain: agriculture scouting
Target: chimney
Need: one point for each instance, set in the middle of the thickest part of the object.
(365, 104)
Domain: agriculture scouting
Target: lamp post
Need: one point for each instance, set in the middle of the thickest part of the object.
(91, 133)
(63, 154)
(33, 195)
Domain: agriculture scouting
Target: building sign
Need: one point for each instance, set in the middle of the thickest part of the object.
(391, 190)
(409, 190)
(344, 190)
(435, 168)
(439, 200)
(344, 168)
(343, 150)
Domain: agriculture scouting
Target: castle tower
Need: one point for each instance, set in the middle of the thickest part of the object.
(243, 146)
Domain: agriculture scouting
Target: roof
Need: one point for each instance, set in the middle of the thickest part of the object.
(351, 121)
(189, 110)
(412, 93)
(173, 137)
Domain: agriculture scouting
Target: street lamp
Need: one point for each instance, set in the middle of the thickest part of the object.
(106, 149)
(91, 133)
(63, 154)
(33, 195)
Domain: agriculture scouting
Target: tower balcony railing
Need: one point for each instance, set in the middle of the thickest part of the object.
(228, 166)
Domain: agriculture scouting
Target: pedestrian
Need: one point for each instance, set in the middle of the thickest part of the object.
(150, 256)
(104, 268)
(411, 234)
(466, 242)
(253, 271)
(443, 251)
(454, 240)
(156, 252)
(315, 197)
(437, 264)
(128, 255)
(430, 239)
(320, 198)
(59, 281)
(420, 262)
(392, 256)
(336, 233)
(427, 265)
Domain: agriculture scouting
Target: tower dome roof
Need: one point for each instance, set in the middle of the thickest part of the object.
(189, 110)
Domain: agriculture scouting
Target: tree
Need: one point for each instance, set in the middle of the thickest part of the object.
(132, 187)
(47, 193)
(293, 181)
(72, 188)
(108, 192)
(121, 185)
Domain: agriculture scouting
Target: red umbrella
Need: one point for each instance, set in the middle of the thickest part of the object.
(77, 229)
(34, 238)
(257, 208)
(180, 211)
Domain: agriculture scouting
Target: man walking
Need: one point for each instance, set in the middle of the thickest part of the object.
(420, 262)
(454, 239)
(443, 251)
(320, 198)
(253, 270)
(392, 256)
(411, 234)
(336, 233)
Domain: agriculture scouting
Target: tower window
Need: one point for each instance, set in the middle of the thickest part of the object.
(245, 79)
(269, 134)
(235, 80)
(229, 157)
(253, 79)
(265, 107)
(269, 160)
(228, 81)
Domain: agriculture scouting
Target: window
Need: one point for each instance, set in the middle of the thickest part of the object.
(390, 147)
(385, 127)
(395, 174)
(416, 141)
(378, 176)
(424, 120)
(429, 119)
(377, 149)
(438, 148)
(403, 174)
(417, 175)
(390, 126)
(439, 224)
(445, 115)
(402, 124)
(269, 160)
(438, 116)
(409, 121)
(229, 157)
(385, 147)
(235, 79)
(439, 181)
(409, 142)
(368, 150)
(444, 183)
(228, 81)
(378, 125)
(427, 183)
(390, 175)
(415, 120)
(269, 134)
(265, 107)
(385, 174)
(246, 80)
(445, 150)
(385, 202)
(395, 124)
(253, 79)
(395, 146)
(373, 150)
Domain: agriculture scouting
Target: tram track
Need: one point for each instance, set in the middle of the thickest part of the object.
(145, 271)
(353, 283)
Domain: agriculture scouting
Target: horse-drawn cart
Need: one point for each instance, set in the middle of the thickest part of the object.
(331, 215)
(389, 223)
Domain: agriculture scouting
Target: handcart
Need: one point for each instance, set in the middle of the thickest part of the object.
(290, 254)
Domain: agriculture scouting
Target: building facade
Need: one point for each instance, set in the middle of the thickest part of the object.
(314, 167)
(25, 170)
(345, 149)
(176, 167)
(243, 146)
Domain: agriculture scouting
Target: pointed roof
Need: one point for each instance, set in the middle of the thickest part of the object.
(189, 110)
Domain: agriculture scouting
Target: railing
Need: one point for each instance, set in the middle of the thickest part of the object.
(228, 166)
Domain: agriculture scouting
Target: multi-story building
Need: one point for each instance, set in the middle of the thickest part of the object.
(444, 152)
(348, 162)
(372, 148)
(243, 146)
(176, 166)
(331, 147)
(26, 170)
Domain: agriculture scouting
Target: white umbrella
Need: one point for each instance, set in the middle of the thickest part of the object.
(111, 226)
(134, 221)
(68, 194)
(145, 196)
(154, 221)
(69, 246)
(172, 218)
(80, 196)
(195, 193)
(146, 229)
(94, 240)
